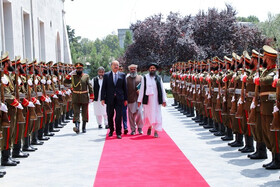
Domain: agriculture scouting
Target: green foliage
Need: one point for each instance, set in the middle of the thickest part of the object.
(252, 19)
(271, 28)
(128, 39)
(97, 53)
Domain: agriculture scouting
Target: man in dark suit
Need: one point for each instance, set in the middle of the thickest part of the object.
(114, 95)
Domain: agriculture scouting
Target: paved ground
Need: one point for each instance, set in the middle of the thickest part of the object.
(72, 160)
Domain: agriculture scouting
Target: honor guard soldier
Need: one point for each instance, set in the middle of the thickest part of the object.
(81, 89)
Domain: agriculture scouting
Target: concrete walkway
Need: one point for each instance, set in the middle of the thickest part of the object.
(68, 159)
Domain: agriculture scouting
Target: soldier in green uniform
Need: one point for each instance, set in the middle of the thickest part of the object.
(81, 89)
(267, 100)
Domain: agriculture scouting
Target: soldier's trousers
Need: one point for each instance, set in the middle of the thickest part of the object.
(257, 128)
(245, 127)
(9, 134)
(271, 138)
(236, 124)
(77, 107)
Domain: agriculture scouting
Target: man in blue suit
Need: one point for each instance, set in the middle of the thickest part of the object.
(114, 95)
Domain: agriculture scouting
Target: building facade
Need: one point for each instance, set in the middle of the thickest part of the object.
(34, 29)
(121, 36)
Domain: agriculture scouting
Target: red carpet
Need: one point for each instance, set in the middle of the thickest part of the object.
(143, 160)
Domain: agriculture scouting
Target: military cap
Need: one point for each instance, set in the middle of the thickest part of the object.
(16, 60)
(269, 51)
(227, 59)
(24, 62)
(235, 56)
(247, 56)
(256, 54)
(79, 65)
(5, 57)
(50, 63)
(55, 65)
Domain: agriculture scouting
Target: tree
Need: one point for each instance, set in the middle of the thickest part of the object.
(252, 19)
(128, 39)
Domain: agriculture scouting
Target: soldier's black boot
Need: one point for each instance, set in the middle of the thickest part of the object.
(71, 113)
(6, 158)
(187, 111)
(60, 122)
(209, 125)
(2, 173)
(63, 120)
(239, 141)
(249, 147)
(26, 145)
(35, 140)
(191, 112)
(47, 130)
(56, 124)
(175, 103)
(200, 119)
(221, 131)
(52, 129)
(183, 109)
(204, 122)
(276, 163)
(41, 135)
(215, 128)
(268, 164)
(17, 153)
(230, 143)
(84, 127)
(68, 116)
(77, 127)
(260, 152)
(228, 136)
(179, 106)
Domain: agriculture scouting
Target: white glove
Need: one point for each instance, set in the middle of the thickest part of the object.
(19, 106)
(252, 105)
(4, 80)
(30, 104)
(275, 109)
(4, 107)
(54, 79)
(63, 94)
(55, 96)
(36, 81)
(73, 72)
(49, 82)
(29, 82)
(233, 99)
(48, 99)
(68, 92)
(19, 81)
(218, 96)
(43, 81)
(38, 102)
(59, 93)
(59, 77)
(224, 99)
(239, 101)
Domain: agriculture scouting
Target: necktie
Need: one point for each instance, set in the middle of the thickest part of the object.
(115, 79)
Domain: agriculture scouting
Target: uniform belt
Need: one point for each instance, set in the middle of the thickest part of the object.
(216, 89)
(267, 93)
(39, 94)
(251, 94)
(80, 92)
(231, 90)
(223, 91)
(206, 89)
(21, 96)
(198, 86)
(238, 91)
(49, 92)
(271, 96)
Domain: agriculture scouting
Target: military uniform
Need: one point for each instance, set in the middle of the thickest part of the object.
(81, 89)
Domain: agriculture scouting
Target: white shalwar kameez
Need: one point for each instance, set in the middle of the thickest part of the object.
(152, 110)
(99, 109)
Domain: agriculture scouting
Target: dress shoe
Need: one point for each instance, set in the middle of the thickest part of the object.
(8, 162)
(260, 152)
(156, 134)
(125, 131)
(110, 134)
(36, 142)
(219, 133)
(43, 138)
(2, 173)
(140, 131)
(100, 126)
(119, 136)
(107, 127)
(149, 131)
(248, 150)
(237, 144)
(77, 127)
(49, 134)
(227, 138)
(14, 160)
(132, 133)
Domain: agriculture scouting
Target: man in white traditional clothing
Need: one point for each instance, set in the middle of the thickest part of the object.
(99, 109)
(133, 82)
(152, 95)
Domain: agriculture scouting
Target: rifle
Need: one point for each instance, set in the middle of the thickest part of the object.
(56, 103)
(47, 106)
(20, 118)
(275, 122)
(233, 102)
(209, 97)
(4, 115)
(240, 107)
(195, 84)
(255, 102)
(219, 104)
(224, 105)
(38, 108)
(32, 114)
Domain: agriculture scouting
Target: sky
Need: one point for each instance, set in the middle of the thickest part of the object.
(97, 18)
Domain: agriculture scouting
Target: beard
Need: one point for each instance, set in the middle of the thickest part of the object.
(21, 71)
(79, 72)
(133, 75)
(100, 76)
(10, 68)
(152, 73)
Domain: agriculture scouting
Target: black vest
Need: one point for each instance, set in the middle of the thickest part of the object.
(96, 88)
(145, 98)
